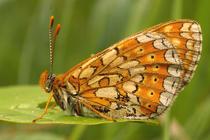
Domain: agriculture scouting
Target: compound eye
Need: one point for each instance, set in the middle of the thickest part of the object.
(49, 83)
(48, 88)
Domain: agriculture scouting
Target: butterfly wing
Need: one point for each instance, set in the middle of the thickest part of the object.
(140, 76)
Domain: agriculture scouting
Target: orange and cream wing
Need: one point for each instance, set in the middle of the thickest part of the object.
(140, 76)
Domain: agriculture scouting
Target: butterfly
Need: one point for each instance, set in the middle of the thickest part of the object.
(137, 78)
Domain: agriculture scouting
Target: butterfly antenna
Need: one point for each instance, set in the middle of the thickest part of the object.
(52, 40)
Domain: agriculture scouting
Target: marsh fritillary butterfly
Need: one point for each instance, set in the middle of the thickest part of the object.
(136, 78)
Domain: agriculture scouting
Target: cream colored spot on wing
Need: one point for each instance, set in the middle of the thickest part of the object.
(133, 98)
(195, 28)
(186, 27)
(95, 79)
(129, 87)
(194, 45)
(87, 72)
(71, 88)
(117, 61)
(175, 70)
(113, 105)
(171, 84)
(167, 43)
(109, 56)
(76, 73)
(159, 44)
(168, 28)
(137, 78)
(161, 109)
(114, 79)
(88, 62)
(108, 92)
(198, 46)
(166, 98)
(186, 35)
(197, 36)
(171, 56)
(136, 70)
(148, 37)
(143, 38)
(129, 64)
(154, 35)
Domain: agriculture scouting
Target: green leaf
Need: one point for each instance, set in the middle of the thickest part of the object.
(22, 104)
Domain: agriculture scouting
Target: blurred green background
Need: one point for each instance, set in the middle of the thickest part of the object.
(89, 26)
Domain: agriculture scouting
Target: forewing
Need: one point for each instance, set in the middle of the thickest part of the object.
(140, 76)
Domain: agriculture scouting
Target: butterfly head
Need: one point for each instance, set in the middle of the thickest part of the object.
(46, 81)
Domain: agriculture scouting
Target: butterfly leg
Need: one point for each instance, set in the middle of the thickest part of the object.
(46, 108)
